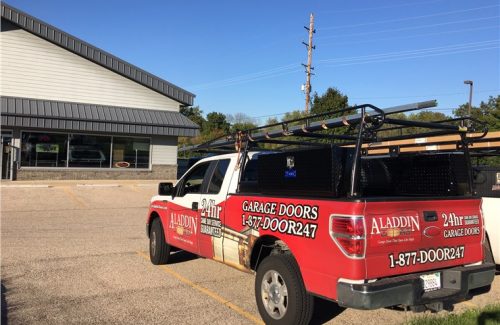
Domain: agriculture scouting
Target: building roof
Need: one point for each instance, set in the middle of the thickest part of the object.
(69, 116)
(94, 54)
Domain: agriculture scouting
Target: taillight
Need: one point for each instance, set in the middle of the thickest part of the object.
(348, 232)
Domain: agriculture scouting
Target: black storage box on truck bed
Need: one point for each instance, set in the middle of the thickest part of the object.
(434, 174)
(304, 172)
(326, 172)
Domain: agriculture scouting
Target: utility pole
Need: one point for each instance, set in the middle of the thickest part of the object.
(308, 67)
(471, 84)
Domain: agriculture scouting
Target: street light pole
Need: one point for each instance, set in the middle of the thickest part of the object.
(471, 84)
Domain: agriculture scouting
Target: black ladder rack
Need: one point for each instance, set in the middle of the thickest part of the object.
(369, 121)
(366, 126)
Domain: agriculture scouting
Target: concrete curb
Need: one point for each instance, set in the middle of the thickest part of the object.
(147, 185)
(97, 185)
(26, 186)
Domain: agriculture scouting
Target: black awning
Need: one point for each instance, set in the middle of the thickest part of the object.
(56, 115)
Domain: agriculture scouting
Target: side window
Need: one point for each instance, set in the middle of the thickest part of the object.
(250, 173)
(249, 179)
(218, 176)
(192, 183)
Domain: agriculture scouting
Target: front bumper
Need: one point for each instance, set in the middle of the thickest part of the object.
(407, 290)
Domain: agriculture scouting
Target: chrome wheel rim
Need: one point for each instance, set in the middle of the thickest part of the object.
(153, 243)
(274, 294)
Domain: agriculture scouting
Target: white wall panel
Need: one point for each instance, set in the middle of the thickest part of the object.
(164, 151)
(34, 68)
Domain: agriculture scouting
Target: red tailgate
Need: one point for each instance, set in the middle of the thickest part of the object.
(412, 236)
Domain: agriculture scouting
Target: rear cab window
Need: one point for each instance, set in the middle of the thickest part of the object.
(219, 172)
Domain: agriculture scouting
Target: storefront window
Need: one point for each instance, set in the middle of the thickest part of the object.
(130, 152)
(43, 149)
(89, 151)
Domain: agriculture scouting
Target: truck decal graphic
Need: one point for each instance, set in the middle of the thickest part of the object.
(391, 230)
(460, 225)
(290, 219)
(425, 256)
(404, 224)
(210, 218)
(183, 224)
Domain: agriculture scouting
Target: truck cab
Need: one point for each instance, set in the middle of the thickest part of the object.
(364, 231)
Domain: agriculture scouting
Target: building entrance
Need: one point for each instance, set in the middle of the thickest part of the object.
(7, 154)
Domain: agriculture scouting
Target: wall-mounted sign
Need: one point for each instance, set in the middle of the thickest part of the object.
(47, 148)
(141, 146)
(122, 164)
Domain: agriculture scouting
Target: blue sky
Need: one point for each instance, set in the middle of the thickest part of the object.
(245, 56)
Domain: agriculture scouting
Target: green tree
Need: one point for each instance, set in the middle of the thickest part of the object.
(271, 120)
(216, 122)
(487, 112)
(332, 99)
(428, 116)
(215, 125)
(240, 122)
(194, 113)
(424, 116)
(293, 115)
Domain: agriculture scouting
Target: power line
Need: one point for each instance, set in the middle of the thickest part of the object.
(409, 18)
(374, 58)
(410, 52)
(398, 97)
(248, 75)
(409, 28)
(417, 35)
(414, 56)
(429, 49)
(382, 7)
(218, 84)
(421, 96)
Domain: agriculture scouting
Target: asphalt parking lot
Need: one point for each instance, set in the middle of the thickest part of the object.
(75, 253)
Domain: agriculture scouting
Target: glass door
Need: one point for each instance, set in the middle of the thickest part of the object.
(7, 154)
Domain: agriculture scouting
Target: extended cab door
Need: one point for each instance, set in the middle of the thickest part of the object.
(212, 214)
(183, 211)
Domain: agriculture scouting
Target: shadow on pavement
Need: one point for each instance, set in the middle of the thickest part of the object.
(181, 256)
(324, 311)
(4, 306)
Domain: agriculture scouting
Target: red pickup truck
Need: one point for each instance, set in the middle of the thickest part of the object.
(329, 221)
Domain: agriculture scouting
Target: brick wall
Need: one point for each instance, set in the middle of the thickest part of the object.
(160, 172)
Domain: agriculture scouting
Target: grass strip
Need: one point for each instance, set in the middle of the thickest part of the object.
(489, 315)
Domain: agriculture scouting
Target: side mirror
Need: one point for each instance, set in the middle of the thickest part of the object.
(166, 189)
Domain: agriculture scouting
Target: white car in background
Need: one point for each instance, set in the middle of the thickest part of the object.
(491, 214)
(487, 180)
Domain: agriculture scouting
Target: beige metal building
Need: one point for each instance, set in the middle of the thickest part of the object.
(70, 110)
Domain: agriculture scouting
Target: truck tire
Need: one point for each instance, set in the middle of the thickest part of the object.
(280, 293)
(159, 250)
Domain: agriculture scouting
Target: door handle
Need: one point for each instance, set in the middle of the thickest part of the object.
(430, 216)
(194, 206)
